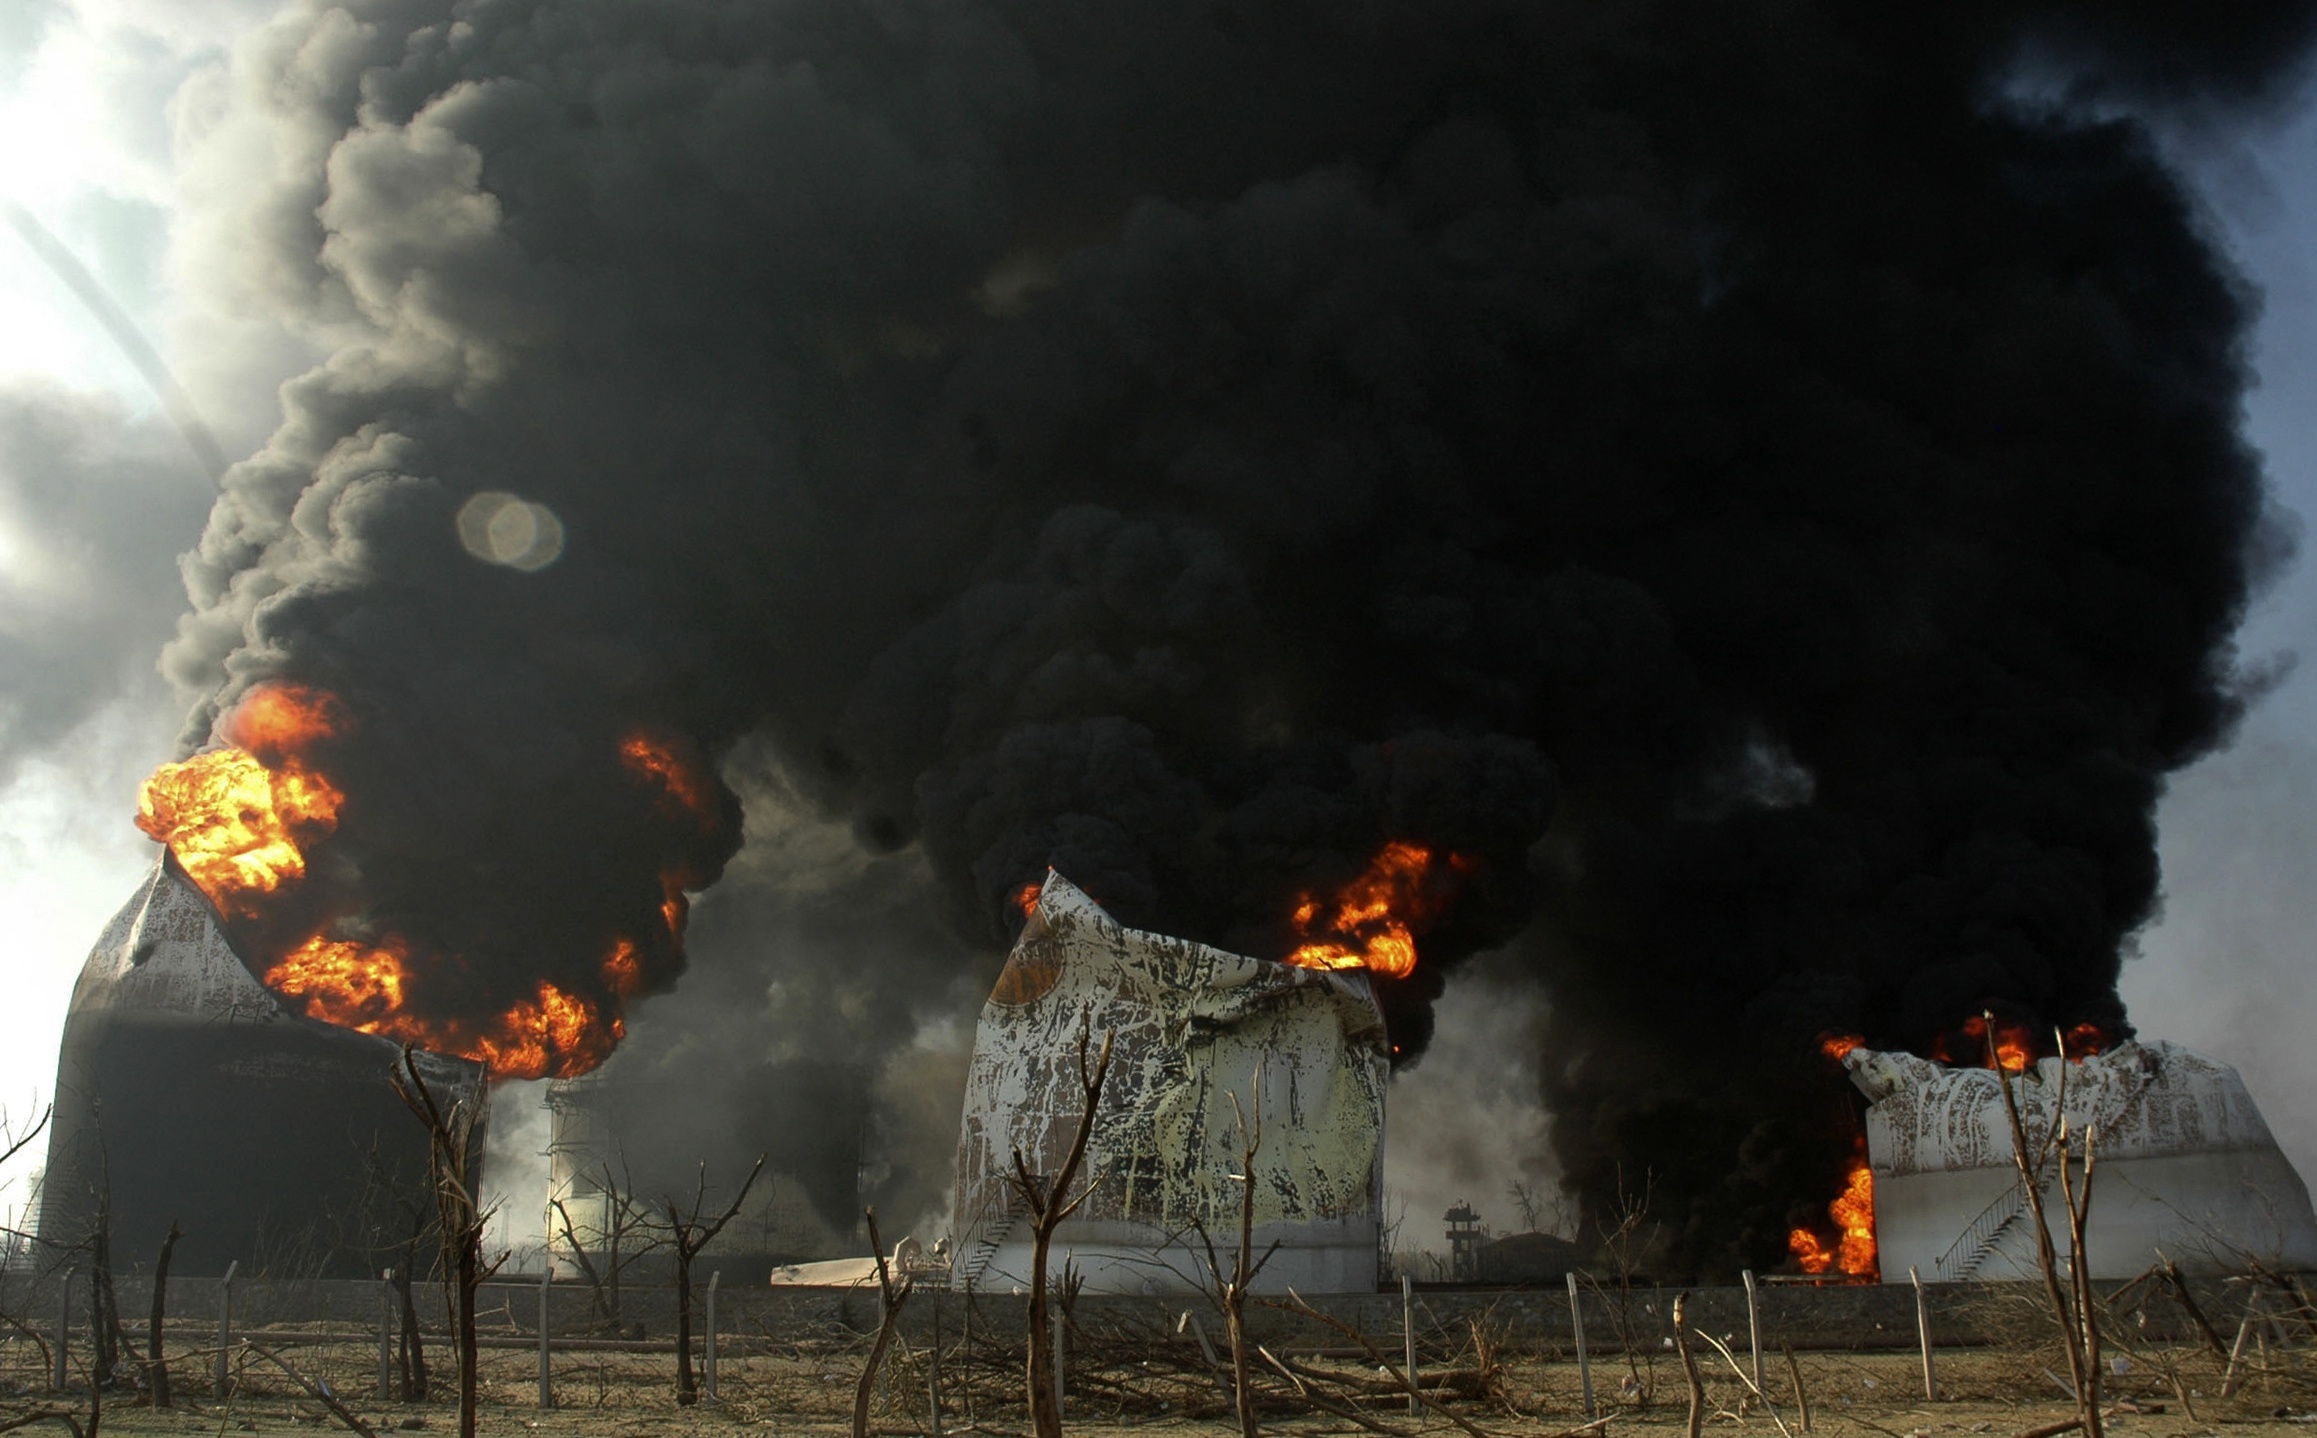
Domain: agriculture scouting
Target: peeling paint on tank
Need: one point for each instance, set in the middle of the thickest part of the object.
(1303, 1050)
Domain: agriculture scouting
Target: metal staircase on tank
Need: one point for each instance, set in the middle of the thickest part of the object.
(994, 1235)
(1970, 1249)
(1963, 1257)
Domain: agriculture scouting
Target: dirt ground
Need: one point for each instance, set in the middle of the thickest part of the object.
(1852, 1395)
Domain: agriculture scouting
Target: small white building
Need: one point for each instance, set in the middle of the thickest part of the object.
(2183, 1164)
(1303, 1048)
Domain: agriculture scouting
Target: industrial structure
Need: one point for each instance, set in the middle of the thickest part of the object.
(611, 1169)
(1466, 1234)
(187, 1093)
(1211, 1050)
(2183, 1165)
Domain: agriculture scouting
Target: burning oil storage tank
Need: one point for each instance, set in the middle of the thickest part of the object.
(1303, 1051)
(620, 1145)
(2183, 1163)
(186, 1092)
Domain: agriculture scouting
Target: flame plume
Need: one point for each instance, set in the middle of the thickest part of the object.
(357, 986)
(1373, 922)
(660, 761)
(238, 819)
(2017, 1045)
(1850, 1249)
(1852, 1252)
(241, 820)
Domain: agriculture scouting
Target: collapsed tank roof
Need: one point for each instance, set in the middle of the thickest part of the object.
(1303, 1052)
(186, 1092)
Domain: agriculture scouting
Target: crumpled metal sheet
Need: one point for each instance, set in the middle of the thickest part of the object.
(1303, 1051)
(164, 954)
(2145, 1100)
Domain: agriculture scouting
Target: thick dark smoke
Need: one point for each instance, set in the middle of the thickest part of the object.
(1764, 491)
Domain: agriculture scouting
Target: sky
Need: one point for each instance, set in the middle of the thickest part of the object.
(107, 140)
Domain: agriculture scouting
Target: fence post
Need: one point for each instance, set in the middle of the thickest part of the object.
(63, 1372)
(1408, 1338)
(225, 1329)
(1754, 1329)
(386, 1317)
(1577, 1326)
(708, 1354)
(546, 1381)
(1923, 1332)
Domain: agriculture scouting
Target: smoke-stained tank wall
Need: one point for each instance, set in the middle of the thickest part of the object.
(1208, 1050)
(185, 1092)
(2184, 1166)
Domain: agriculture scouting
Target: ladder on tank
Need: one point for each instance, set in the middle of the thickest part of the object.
(994, 1234)
(1970, 1249)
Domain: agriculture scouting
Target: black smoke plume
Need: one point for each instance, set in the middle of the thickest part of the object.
(1762, 481)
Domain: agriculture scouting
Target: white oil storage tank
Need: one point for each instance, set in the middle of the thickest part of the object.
(2183, 1165)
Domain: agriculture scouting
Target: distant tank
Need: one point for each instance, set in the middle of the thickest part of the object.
(2184, 1166)
(185, 1091)
(624, 1140)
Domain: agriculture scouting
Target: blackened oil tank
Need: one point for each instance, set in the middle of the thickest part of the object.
(186, 1092)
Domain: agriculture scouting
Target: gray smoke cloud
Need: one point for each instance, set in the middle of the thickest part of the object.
(95, 504)
(1756, 486)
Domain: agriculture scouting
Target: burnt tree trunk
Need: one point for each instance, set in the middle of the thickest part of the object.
(1048, 1209)
(451, 1132)
(687, 1390)
(156, 1362)
(469, 1274)
(688, 1235)
(104, 1302)
(410, 1353)
(889, 1301)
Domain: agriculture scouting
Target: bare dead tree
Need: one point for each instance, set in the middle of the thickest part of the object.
(1689, 1364)
(156, 1362)
(2071, 1303)
(623, 1219)
(451, 1154)
(889, 1300)
(12, 1142)
(687, 1233)
(1525, 1201)
(1230, 1292)
(104, 1301)
(1048, 1207)
(410, 1350)
(320, 1392)
(418, 1213)
(1620, 1234)
(1400, 1380)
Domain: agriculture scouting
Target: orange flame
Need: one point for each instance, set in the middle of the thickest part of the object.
(1025, 899)
(2085, 1040)
(1838, 1046)
(284, 719)
(359, 986)
(1852, 1251)
(1372, 923)
(675, 907)
(651, 758)
(2015, 1046)
(237, 823)
(623, 971)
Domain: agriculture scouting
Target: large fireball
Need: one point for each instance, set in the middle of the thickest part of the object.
(242, 821)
